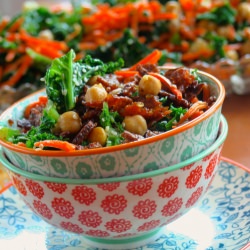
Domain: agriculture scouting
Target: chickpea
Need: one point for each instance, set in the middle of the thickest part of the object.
(199, 45)
(135, 124)
(244, 11)
(46, 34)
(149, 85)
(98, 134)
(232, 54)
(96, 93)
(69, 122)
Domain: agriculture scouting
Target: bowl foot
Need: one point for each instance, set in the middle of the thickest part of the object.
(124, 243)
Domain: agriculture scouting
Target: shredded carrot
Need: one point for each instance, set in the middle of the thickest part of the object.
(59, 45)
(192, 56)
(168, 84)
(153, 58)
(126, 73)
(42, 101)
(197, 106)
(57, 144)
(26, 62)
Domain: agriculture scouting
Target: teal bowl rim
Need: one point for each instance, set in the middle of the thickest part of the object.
(219, 141)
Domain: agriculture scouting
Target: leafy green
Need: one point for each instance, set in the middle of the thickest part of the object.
(42, 132)
(6, 133)
(65, 78)
(194, 72)
(5, 44)
(167, 124)
(59, 23)
(217, 43)
(222, 15)
(112, 123)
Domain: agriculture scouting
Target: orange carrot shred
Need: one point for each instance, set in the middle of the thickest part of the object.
(57, 144)
(152, 58)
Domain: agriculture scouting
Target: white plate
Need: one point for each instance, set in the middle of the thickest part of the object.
(220, 221)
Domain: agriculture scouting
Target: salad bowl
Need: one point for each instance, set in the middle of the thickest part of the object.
(119, 212)
(152, 153)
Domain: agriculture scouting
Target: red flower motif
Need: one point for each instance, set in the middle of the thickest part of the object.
(194, 197)
(114, 204)
(188, 166)
(211, 166)
(140, 187)
(84, 195)
(71, 227)
(42, 209)
(56, 187)
(97, 233)
(168, 187)
(147, 226)
(172, 207)
(63, 207)
(109, 186)
(35, 188)
(194, 177)
(118, 225)
(19, 186)
(90, 218)
(144, 209)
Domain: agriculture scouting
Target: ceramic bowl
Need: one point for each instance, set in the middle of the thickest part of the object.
(153, 153)
(119, 212)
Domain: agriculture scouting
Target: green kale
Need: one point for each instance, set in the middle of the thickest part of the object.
(65, 78)
(6, 133)
(112, 123)
(167, 124)
(217, 43)
(222, 15)
(194, 72)
(42, 132)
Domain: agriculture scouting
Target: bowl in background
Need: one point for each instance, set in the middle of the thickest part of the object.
(152, 153)
(121, 212)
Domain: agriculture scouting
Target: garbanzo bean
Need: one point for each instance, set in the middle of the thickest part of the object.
(135, 124)
(96, 93)
(232, 54)
(98, 134)
(149, 85)
(69, 122)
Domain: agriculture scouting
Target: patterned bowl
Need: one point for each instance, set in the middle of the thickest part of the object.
(153, 153)
(122, 212)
